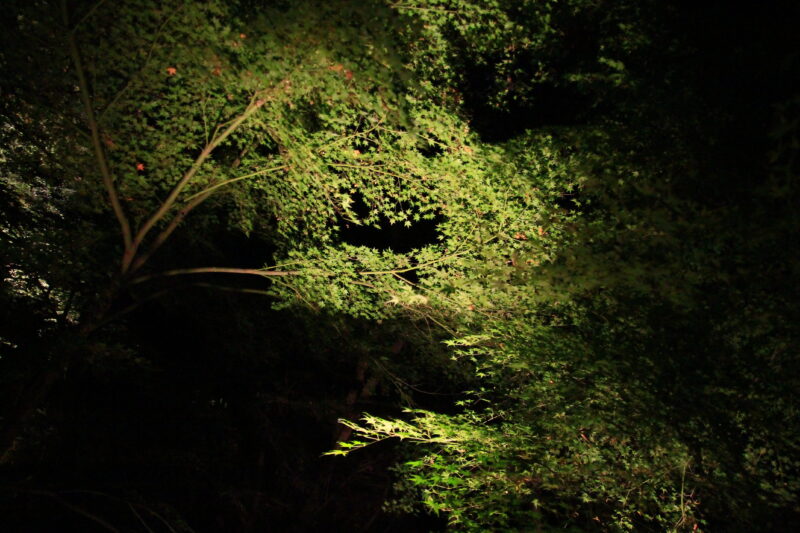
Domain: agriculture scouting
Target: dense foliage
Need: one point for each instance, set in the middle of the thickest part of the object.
(532, 241)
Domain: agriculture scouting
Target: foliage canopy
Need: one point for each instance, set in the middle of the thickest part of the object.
(628, 339)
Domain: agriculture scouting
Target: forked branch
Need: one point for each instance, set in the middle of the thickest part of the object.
(130, 253)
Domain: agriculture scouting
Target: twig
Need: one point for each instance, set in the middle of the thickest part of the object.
(411, 268)
(133, 510)
(233, 289)
(71, 507)
(409, 385)
(233, 180)
(87, 15)
(122, 500)
(370, 168)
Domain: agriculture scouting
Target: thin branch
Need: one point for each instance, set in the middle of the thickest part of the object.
(133, 510)
(158, 294)
(370, 168)
(411, 268)
(395, 377)
(108, 181)
(71, 507)
(87, 15)
(64, 315)
(161, 518)
(362, 134)
(398, 5)
(121, 500)
(233, 180)
(244, 152)
(85, 513)
(243, 290)
(124, 311)
(446, 328)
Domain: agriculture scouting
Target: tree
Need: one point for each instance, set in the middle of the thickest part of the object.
(548, 168)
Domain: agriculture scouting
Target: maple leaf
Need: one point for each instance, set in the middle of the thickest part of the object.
(140, 166)
(171, 71)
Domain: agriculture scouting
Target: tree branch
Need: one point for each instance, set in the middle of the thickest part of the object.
(233, 180)
(218, 270)
(166, 232)
(79, 510)
(102, 163)
(194, 201)
(411, 268)
(88, 14)
(167, 204)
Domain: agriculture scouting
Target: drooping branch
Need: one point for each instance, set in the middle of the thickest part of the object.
(102, 162)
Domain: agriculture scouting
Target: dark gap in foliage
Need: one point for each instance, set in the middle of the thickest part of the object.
(570, 202)
(246, 251)
(395, 237)
(227, 154)
(743, 66)
(532, 96)
(547, 105)
(308, 115)
(431, 150)
(265, 148)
